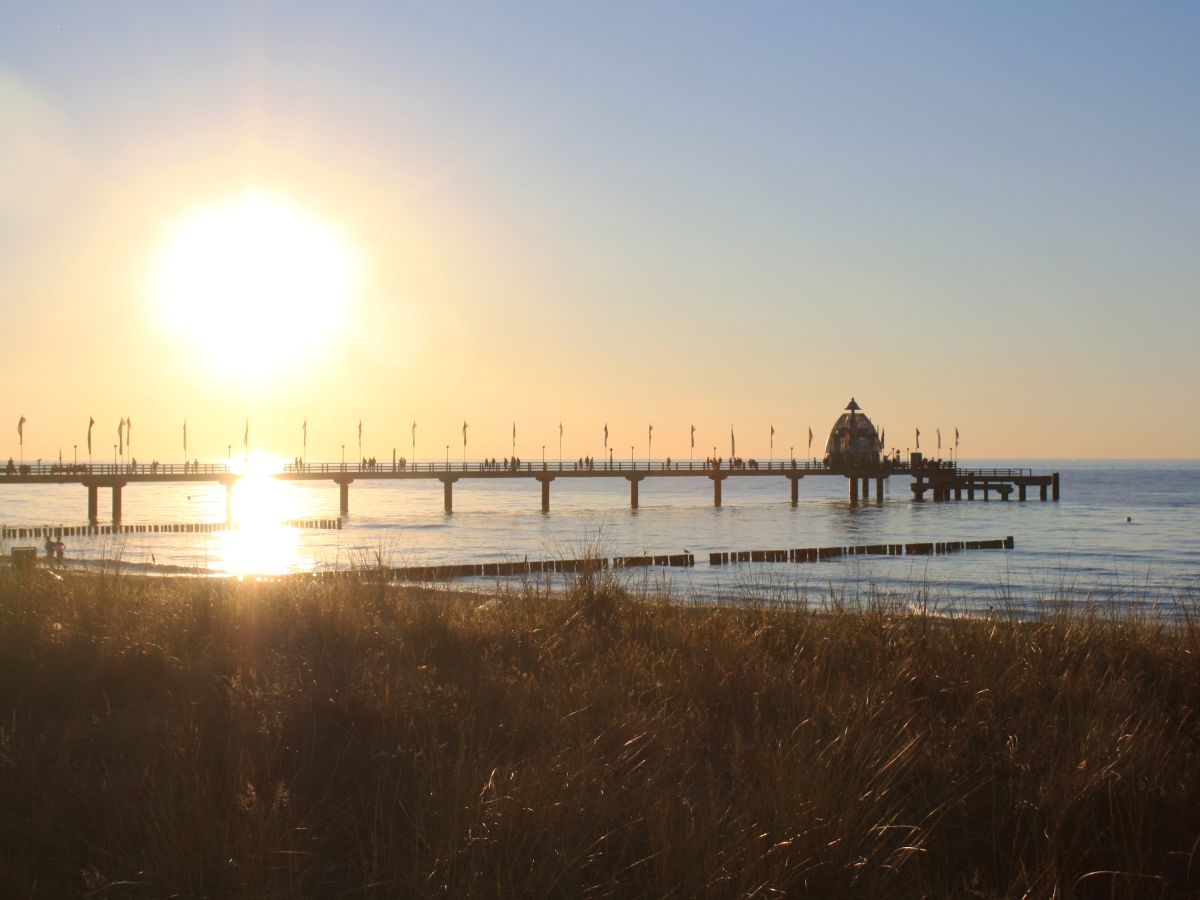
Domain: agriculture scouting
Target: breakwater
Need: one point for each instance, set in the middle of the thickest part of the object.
(59, 532)
(575, 566)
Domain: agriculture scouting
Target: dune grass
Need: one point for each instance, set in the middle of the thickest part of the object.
(187, 737)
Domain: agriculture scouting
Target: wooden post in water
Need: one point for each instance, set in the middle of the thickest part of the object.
(93, 504)
(545, 493)
(853, 489)
(448, 493)
(633, 490)
(716, 480)
(1054, 485)
(116, 504)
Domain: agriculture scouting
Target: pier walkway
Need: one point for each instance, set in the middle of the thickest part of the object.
(941, 479)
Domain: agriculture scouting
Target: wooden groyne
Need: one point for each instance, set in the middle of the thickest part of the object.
(672, 560)
(60, 532)
(816, 554)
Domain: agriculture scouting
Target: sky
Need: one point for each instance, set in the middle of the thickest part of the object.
(732, 216)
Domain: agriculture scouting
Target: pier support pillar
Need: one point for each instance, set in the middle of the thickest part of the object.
(116, 504)
(795, 489)
(971, 489)
(545, 493)
(1054, 485)
(1021, 492)
(853, 489)
(229, 503)
(958, 492)
(344, 498)
(716, 480)
(878, 490)
(448, 493)
(866, 489)
(1042, 491)
(633, 491)
(94, 512)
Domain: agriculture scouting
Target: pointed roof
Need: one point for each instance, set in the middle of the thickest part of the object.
(853, 407)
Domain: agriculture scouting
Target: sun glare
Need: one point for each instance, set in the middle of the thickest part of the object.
(255, 283)
(262, 544)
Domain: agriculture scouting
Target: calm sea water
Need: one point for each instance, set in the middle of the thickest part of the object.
(1081, 548)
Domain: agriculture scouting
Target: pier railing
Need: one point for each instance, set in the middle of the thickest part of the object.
(553, 466)
(74, 470)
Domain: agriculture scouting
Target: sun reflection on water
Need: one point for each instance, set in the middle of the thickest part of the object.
(261, 544)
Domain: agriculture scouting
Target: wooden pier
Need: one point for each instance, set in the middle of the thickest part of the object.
(941, 480)
(944, 482)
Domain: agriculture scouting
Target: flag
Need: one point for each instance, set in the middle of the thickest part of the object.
(955, 438)
(650, 433)
(91, 422)
(464, 432)
(772, 437)
(246, 437)
(693, 437)
(121, 437)
(560, 431)
(21, 430)
(732, 443)
(304, 432)
(605, 435)
(514, 432)
(939, 437)
(810, 440)
(882, 434)
(185, 438)
(414, 430)
(360, 434)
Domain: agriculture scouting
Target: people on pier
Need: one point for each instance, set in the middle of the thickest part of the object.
(11, 468)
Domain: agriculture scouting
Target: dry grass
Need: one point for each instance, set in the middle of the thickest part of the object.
(201, 738)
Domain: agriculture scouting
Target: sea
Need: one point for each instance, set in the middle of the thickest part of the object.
(1125, 533)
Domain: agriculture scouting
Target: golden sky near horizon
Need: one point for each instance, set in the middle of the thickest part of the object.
(233, 237)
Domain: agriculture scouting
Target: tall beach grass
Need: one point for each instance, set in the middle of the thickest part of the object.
(350, 738)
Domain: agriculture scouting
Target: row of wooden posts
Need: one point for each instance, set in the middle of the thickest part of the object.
(815, 554)
(26, 532)
(572, 566)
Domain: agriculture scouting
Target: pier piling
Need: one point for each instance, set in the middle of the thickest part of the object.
(633, 490)
(716, 480)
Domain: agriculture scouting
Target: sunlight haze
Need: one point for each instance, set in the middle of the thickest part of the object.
(726, 216)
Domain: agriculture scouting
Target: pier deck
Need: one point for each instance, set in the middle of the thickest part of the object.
(941, 480)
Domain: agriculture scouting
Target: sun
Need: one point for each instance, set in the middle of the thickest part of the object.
(254, 282)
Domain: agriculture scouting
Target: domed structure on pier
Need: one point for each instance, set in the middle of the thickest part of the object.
(853, 443)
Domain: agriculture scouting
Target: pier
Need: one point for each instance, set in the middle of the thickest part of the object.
(939, 480)
(853, 452)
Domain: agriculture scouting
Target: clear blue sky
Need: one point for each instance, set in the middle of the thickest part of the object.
(966, 216)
